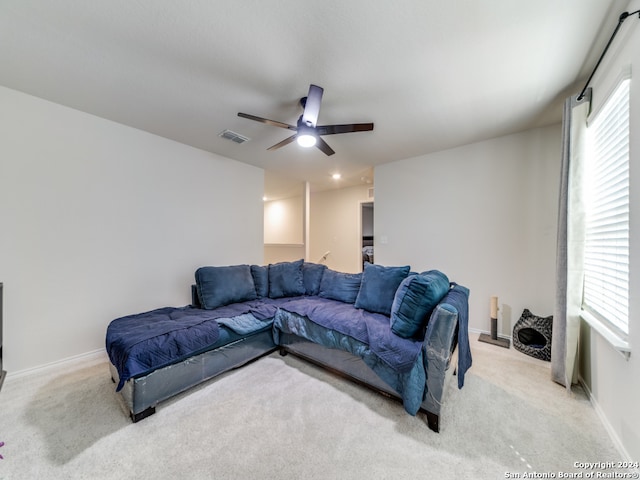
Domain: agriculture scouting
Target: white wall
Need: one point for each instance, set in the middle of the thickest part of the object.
(284, 230)
(283, 221)
(101, 220)
(614, 381)
(485, 214)
(282, 253)
(335, 227)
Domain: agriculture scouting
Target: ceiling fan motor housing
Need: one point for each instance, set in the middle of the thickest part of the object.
(302, 124)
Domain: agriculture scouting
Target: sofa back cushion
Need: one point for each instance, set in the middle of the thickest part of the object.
(285, 279)
(340, 286)
(260, 274)
(312, 275)
(219, 286)
(378, 287)
(414, 300)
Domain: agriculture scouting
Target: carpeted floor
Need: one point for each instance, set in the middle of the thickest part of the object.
(281, 418)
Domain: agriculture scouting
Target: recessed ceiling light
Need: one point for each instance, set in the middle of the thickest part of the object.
(336, 176)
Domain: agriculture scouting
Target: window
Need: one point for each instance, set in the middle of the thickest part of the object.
(606, 256)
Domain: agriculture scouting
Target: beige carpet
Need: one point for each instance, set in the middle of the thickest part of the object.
(280, 418)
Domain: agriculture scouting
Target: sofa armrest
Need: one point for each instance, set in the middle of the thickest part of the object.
(439, 343)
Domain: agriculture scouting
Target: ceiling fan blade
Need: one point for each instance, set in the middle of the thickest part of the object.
(312, 106)
(267, 121)
(347, 128)
(324, 146)
(284, 142)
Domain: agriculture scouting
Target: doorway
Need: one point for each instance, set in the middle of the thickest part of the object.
(366, 229)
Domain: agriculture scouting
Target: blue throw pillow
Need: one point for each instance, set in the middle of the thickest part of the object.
(340, 286)
(312, 275)
(260, 276)
(285, 279)
(416, 297)
(378, 288)
(219, 286)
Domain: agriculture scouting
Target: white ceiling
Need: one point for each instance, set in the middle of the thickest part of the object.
(431, 74)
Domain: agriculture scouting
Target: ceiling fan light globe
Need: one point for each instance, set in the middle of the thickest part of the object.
(306, 140)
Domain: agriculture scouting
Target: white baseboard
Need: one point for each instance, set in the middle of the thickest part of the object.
(69, 362)
(605, 422)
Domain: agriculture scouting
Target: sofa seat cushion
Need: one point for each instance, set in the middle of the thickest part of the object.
(414, 300)
(220, 286)
(369, 328)
(378, 287)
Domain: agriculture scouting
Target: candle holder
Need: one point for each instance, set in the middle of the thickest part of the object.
(493, 338)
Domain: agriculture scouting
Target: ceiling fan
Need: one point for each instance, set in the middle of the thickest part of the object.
(307, 131)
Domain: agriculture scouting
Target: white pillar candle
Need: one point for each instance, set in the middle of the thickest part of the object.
(494, 307)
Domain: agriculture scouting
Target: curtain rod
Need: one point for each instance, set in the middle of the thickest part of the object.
(622, 18)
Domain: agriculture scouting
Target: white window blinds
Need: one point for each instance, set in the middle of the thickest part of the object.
(606, 256)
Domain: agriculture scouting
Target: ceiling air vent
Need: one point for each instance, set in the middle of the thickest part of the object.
(233, 136)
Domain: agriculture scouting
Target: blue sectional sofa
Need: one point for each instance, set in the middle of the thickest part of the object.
(387, 328)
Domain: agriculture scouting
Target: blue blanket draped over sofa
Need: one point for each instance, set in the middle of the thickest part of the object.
(458, 297)
(369, 328)
(398, 361)
(409, 383)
